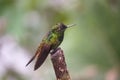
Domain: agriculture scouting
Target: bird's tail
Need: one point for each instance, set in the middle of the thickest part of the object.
(31, 60)
(36, 54)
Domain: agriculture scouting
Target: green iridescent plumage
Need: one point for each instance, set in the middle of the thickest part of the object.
(50, 42)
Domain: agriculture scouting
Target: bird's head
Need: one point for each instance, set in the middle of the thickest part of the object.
(60, 27)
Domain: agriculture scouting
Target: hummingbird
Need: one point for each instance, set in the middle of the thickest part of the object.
(49, 43)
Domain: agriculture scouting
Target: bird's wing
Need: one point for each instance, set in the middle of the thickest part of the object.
(42, 52)
(45, 49)
(36, 54)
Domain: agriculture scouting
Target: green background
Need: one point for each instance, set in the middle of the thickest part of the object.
(91, 48)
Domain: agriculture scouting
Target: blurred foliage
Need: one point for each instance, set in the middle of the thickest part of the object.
(93, 41)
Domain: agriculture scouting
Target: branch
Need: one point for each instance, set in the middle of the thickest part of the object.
(59, 64)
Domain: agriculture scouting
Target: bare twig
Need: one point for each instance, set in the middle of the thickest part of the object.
(59, 64)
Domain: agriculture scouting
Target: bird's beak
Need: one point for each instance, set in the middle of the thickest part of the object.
(71, 25)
